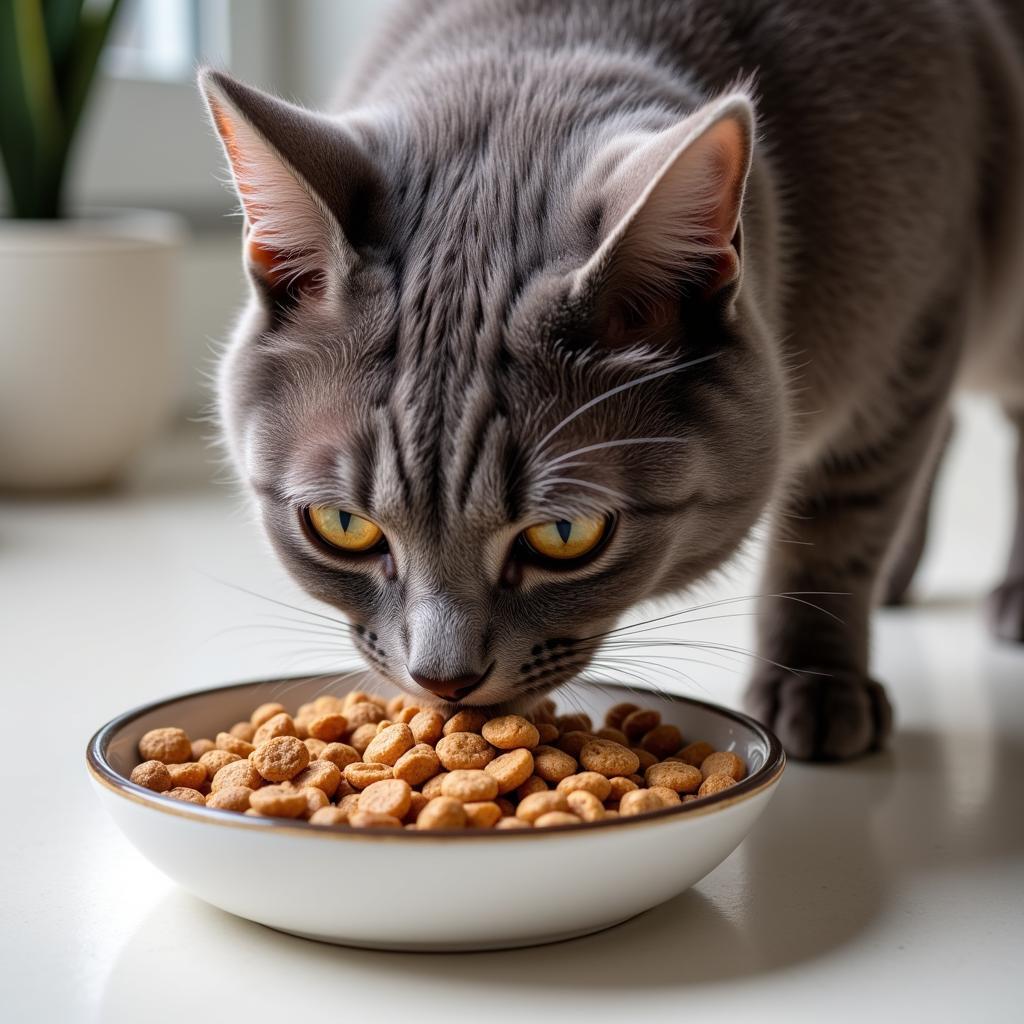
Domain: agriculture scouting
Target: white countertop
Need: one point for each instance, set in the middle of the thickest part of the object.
(889, 889)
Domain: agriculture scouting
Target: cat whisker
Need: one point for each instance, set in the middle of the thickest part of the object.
(618, 389)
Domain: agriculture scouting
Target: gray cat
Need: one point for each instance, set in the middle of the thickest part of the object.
(566, 295)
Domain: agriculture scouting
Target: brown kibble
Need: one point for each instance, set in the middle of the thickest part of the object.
(509, 732)
(533, 806)
(590, 782)
(618, 788)
(170, 746)
(340, 754)
(214, 760)
(640, 801)
(547, 733)
(234, 745)
(417, 765)
(645, 757)
(669, 797)
(638, 723)
(280, 758)
(432, 787)
(512, 822)
(573, 742)
(363, 774)
(394, 706)
(186, 794)
(695, 753)
(281, 724)
(464, 750)
(552, 764)
(511, 769)
(389, 796)
(676, 775)
(322, 775)
(363, 713)
(200, 747)
(469, 785)
(279, 801)
(349, 803)
(265, 712)
(191, 774)
(578, 721)
(329, 727)
(315, 747)
(482, 814)
(328, 816)
(153, 775)
(553, 818)
(617, 714)
(417, 801)
(608, 758)
(383, 724)
(406, 715)
(615, 735)
(390, 744)
(585, 805)
(231, 798)
(534, 784)
(467, 720)
(316, 799)
(363, 736)
(715, 784)
(662, 740)
(724, 762)
(243, 730)
(427, 726)
(442, 812)
(238, 773)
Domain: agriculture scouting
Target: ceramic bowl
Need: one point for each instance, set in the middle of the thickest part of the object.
(413, 890)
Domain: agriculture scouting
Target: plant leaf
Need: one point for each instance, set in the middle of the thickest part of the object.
(61, 19)
(31, 121)
(93, 30)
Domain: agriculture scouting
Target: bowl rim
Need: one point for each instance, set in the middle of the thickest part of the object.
(105, 775)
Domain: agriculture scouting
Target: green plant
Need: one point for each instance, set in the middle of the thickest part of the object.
(49, 50)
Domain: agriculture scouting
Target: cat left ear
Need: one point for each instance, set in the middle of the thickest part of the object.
(301, 179)
(670, 212)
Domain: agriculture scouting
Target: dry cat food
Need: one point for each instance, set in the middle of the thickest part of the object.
(362, 761)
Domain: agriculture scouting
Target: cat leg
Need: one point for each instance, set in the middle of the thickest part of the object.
(812, 684)
(909, 543)
(1006, 603)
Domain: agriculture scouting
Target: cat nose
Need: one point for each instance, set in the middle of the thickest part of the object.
(452, 688)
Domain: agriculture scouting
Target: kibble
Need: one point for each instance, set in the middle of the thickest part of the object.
(365, 762)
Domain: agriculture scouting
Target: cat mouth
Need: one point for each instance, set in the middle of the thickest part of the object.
(461, 695)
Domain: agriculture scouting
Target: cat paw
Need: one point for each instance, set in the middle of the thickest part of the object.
(1005, 609)
(830, 717)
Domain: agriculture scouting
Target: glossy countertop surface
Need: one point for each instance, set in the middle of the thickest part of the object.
(887, 889)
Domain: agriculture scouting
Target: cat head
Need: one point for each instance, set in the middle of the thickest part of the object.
(498, 379)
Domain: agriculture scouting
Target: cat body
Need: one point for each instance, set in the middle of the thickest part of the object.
(662, 265)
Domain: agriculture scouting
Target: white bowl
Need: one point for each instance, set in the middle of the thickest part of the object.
(428, 890)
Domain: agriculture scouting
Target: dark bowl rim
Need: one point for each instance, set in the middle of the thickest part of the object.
(103, 773)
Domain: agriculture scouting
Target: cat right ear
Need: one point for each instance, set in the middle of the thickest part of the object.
(302, 181)
(669, 206)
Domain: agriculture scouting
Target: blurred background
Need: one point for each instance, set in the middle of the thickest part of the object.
(146, 143)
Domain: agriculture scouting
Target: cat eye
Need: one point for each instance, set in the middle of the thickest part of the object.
(566, 540)
(344, 530)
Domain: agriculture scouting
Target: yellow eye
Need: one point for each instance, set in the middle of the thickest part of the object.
(567, 538)
(344, 530)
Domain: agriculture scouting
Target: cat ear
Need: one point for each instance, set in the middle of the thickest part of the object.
(301, 179)
(670, 214)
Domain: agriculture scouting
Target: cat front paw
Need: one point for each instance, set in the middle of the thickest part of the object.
(1006, 611)
(826, 717)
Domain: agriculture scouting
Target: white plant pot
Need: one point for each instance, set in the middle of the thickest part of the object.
(90, 353)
